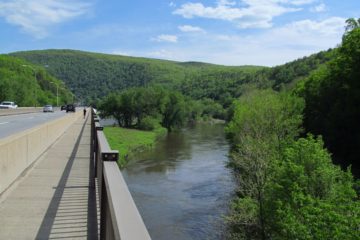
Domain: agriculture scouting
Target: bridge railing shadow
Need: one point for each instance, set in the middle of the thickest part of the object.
(72, 212)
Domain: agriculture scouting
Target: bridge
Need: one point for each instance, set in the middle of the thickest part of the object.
(60, 180)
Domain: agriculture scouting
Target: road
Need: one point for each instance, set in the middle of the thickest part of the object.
(17, 123)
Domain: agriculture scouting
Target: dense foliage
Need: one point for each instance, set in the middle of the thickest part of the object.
(288, 186)
(93, 76)
(287, 75)
(28, 85)
(146, 108)
(332, 96)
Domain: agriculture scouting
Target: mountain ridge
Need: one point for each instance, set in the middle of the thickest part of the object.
(91, 76)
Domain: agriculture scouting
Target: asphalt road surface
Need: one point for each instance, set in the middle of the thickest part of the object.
(17, 123)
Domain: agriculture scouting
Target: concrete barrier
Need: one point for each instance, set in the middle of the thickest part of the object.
(19, 151)
(22, 110)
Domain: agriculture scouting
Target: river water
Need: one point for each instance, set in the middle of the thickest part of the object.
(182, 186)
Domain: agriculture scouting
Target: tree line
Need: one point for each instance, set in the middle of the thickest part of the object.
(288, 186)
(153, 107)
(92, 76)
(332, 96)
(29, 85)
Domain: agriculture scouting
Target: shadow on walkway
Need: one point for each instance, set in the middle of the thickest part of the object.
(72, 212)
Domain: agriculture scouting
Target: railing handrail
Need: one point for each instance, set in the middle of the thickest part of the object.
(119, 216)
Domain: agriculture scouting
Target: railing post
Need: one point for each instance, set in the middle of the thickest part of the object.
(94, 147)
(92, 163)
(106, 229)
(104, 156)
(96, 144)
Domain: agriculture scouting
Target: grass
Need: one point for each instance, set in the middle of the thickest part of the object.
(130, 141)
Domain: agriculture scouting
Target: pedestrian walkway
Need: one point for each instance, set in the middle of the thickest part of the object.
(54, 200)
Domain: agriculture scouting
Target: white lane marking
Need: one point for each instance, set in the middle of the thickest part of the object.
(3, 123)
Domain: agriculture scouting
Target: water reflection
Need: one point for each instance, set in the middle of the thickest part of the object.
(182, 186)
(168, 152)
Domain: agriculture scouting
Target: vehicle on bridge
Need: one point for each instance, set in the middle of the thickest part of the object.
(48, 108)
(8, 105)
(70, 108)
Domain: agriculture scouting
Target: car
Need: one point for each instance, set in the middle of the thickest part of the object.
(8, 105)
(70, 108)
(63, 107)
(48, 108)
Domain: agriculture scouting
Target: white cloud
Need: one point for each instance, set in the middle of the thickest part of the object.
(255, 14)
(270, 47)
(328, 27)
(300, 2)
(166, 38)
(37, 16)
(319, 8)
(189, 28)
(172, 4)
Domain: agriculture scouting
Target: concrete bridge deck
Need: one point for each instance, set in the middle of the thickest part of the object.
(53, 200)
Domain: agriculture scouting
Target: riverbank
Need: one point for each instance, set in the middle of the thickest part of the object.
(131, 141)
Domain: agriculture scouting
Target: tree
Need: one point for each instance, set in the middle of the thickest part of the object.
(332, 101)
(264, 123)
(111, 107)
(26, 84)
(174, 113)
(132, 106)
(352, 24)
(288, 187)
(309, 197)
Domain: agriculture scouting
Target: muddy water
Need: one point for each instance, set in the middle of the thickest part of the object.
(182, 187)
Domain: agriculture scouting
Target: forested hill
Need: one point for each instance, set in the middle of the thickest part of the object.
(92, 76)
(28, 84)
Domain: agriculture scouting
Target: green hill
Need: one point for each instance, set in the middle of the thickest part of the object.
(28, 84)
(91, 76)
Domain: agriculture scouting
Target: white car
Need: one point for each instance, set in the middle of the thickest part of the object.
(8, 105)
(48, 108)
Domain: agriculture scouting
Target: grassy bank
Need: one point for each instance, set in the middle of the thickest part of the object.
(130, 141)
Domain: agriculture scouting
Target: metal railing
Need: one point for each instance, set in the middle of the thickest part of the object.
(119, 216)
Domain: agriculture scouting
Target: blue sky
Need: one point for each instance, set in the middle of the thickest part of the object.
(228, 32)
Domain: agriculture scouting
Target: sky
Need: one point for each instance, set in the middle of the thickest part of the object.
(226, 32)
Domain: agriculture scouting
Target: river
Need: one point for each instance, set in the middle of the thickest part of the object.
(182, 186)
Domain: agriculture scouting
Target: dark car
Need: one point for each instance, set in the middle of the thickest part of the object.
(70, 108)
(63, 107)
